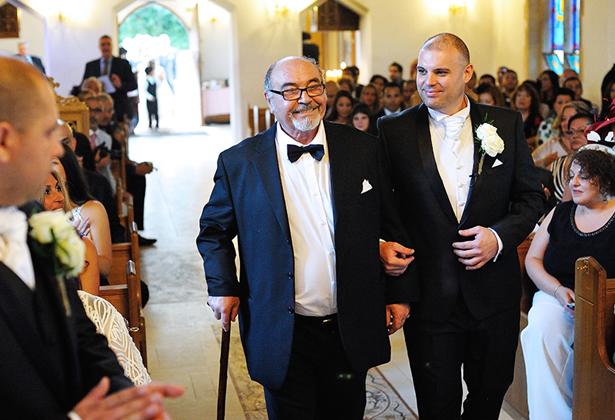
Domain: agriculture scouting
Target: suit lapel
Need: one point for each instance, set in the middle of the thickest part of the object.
(266, 166)
(428, 161)
(477, 119)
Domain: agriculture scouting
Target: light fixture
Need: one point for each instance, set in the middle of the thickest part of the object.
(281, 8)
(457, 7)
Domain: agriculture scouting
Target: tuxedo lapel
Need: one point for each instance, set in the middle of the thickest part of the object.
(428, 161)
(266, 166)
(18, 308)
(477, 119)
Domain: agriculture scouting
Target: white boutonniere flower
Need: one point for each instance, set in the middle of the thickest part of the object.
(490, 142)
(55, 241)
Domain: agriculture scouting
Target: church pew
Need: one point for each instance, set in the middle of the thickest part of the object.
(126, 298)
(593, 388)
(121, 253)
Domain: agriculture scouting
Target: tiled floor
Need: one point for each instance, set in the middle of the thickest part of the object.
(181, 330)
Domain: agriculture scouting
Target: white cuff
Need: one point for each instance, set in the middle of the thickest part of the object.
(500, 244)
(73, 416)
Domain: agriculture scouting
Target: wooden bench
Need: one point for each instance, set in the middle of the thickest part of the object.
(123, 252)
(126, 298)
(593, 385)
(259, 119)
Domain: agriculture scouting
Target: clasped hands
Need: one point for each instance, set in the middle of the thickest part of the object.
(473, 253)
(138, 403)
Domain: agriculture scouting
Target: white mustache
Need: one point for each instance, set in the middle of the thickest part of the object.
(305, 108)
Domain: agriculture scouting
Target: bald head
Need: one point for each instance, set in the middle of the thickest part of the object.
(445, 41)
(20, 90)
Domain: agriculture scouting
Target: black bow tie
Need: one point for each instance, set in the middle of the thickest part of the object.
(316, 150)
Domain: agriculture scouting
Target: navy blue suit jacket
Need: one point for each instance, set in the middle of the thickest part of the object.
(247, 201)
(507, 197)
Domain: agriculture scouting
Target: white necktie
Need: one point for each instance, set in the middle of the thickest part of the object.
(453, 125)
(14, 252)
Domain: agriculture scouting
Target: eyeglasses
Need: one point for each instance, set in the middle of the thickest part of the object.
(580, 131)
(295, 93)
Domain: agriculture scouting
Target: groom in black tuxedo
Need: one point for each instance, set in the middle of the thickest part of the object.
(308, 201)
(467, 205)
(54, 365)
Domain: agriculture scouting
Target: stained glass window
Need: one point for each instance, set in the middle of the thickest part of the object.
(564, 35)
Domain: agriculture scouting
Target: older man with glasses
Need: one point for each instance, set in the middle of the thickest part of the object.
(308, 201)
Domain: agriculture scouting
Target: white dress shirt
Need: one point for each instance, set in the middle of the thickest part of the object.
(306, 185)
(14, 251)
(455, 160)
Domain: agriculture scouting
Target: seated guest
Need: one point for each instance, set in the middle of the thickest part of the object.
(55, 199)
(93, 84)
(83, 206)
(97, 184)
(135, 171)
(353, 72)
(342, 105)
(469, 89)
(331, 88)
(380, 82)
(396, 72)
(361, 118)
(486, 78)
(527, 102)
(346, 84)
(545, 129)
(100, 142)
(559, 144)
(409, 92)
(574, 84)
(370, 97)
(576, 132)
(549, 85)
(574, 229)
(508, 86)
(490, 95)
(393, 101)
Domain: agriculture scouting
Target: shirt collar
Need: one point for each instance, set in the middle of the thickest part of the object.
(440, 116)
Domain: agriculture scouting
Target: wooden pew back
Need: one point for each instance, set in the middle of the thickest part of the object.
(593, 391)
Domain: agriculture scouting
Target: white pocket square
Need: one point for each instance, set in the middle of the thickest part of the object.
(497, 162)
(366, 186)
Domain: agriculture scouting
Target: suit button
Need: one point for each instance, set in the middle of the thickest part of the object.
(291, 310)
(291, 276)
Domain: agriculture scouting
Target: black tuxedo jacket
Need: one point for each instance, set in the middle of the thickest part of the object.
(507, 198)
(247, 201)
(49, 361)
(122, 68)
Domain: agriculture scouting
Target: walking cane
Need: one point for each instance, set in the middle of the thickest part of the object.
(224, 350)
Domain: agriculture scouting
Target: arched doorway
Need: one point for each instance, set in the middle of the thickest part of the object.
(154, 36)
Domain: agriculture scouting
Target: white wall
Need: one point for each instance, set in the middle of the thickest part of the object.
(392, 30)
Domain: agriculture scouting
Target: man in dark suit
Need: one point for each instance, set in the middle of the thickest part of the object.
(466, 211)
(116, 75)
(314, 311)
(35, 61)
(54, 365)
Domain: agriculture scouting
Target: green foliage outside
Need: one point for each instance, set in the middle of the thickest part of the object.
(155, 20)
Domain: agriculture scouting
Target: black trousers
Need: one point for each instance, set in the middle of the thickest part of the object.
(320, 383)
(486, 349)
(135, 185)
(152, 112)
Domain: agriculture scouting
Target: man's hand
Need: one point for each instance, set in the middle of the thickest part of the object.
(397, 313)
(476, 253)
(138, 403)
(101, 162)
(225, 309)
(143, 168)
(395, 257)
(117, 82)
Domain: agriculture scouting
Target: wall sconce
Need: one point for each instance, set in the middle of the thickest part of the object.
(457, 7)
(281, 8)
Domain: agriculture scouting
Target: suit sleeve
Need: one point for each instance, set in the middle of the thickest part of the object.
(404, 288)
(215, 241)
(527, 198)
(129, 81)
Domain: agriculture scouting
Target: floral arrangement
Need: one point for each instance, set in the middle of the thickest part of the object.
(55, 240)
(490, 142)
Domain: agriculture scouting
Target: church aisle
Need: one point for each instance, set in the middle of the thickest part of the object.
(182, 334)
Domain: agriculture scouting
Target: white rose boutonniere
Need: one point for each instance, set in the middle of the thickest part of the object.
(55, 241)
(490, 142)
